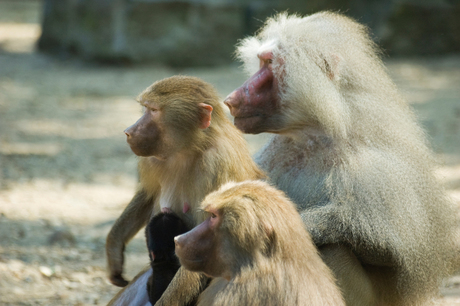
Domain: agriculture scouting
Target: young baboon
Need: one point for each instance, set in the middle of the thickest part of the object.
(348, 151)
(254, 244)
(187, 148)
(160, 233)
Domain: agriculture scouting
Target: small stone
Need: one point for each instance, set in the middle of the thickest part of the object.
(45, 271)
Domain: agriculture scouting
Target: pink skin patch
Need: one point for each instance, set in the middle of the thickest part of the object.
(167, 210)
(186, 208)
(264, 57)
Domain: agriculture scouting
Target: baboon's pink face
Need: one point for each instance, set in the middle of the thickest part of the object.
(255, 105)
(200, 249)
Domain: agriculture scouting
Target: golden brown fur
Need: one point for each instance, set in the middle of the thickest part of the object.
(189, 162)
(350, 154)
(269, 258)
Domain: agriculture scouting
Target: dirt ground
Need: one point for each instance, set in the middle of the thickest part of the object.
(66, 172)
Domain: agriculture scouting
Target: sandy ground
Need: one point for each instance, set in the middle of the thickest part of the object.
(66, 172)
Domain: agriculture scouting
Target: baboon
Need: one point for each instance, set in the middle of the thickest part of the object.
(348, 151)
(187, 148)
(254, 244)
(160, 233)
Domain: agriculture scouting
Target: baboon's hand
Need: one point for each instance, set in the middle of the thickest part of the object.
(115, 260)
(118, 280)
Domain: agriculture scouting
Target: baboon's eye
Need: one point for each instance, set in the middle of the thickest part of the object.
(208, 214)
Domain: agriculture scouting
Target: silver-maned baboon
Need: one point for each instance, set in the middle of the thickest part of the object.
(348, 151)
(187, 148)
(254, 244)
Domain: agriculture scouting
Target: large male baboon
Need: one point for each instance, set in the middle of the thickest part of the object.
(255, 246)
(348, 151)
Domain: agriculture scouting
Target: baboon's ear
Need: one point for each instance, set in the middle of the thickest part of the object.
(205, 119)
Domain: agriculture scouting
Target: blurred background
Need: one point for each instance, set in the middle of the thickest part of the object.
(69, 74)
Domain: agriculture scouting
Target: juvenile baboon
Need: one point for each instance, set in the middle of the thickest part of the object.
(254, 244)
(187, 148)
(348, 151)
(160, 233)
